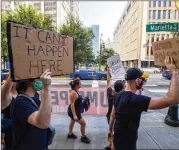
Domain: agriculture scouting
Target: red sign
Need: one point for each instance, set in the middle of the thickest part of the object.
(60, 100)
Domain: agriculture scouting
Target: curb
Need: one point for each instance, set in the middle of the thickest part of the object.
(61, 79)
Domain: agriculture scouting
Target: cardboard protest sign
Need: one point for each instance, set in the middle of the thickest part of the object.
(115, 66)
(33, 50)
(168, 47)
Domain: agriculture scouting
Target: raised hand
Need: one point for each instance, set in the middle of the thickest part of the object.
(46, 78)
(170, 64)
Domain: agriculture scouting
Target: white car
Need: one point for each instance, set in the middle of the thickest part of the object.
(151, 70)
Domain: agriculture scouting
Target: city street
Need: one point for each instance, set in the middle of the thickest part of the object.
(153, 133)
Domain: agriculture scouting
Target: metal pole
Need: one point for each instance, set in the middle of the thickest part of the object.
(150, 36)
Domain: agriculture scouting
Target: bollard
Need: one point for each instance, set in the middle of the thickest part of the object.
(171, 118)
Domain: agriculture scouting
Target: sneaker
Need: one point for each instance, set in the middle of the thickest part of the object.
(107, 148)
(72, 136)
(85, 139)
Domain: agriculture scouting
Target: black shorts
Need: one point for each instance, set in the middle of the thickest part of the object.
(71, 116)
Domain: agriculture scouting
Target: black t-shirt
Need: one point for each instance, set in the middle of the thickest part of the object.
(26, 136)
(128, 108)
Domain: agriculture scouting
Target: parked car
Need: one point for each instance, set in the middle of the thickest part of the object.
(152, 70)
(89, 74)
(4, 74)
(167, 74)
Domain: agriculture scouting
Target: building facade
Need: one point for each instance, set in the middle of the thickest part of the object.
(132, 41)
(57, 10)
(96, 39)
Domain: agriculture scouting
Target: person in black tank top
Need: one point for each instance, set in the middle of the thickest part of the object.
(74, 111)
(8, 94)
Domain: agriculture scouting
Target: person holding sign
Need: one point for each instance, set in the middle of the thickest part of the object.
(74, 111)
(30, 123)
(8, 94)
(111, 93)
(128, 106)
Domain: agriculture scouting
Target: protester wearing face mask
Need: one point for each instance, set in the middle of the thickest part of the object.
(144, 78)
(128, 106)
(111, 93)
(8, 94)
(30, 123)
(74, 111)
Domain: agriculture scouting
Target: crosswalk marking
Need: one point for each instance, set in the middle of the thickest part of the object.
(158, 90)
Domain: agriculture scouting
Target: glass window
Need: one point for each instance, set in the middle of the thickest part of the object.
(169, 3)
(164, 14)
(149, 14)
(169, 14)
(159, 14)
(149, 3)
(164, 3)
(154, 14)
(154, 3)
(159, 3)
(175, 14)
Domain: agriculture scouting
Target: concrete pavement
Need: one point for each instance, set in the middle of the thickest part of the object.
(153, 133)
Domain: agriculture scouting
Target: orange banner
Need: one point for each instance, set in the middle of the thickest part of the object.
(98, 97)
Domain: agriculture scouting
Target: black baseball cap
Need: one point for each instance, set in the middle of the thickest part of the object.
(133, 73)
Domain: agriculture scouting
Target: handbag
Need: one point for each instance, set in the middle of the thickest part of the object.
(50, 130)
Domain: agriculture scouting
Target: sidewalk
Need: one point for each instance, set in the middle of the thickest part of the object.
(153, 133)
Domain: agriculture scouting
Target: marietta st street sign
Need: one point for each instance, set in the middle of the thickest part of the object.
(168, 27)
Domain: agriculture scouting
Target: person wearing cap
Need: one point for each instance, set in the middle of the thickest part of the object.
(111, 93)
(128, 106)
(30, 123)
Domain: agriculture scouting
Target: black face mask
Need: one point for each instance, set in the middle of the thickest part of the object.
(139, 86)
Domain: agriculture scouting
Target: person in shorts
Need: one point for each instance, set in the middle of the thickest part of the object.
(74, 111)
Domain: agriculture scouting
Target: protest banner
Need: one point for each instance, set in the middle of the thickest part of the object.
(116, 66)
(168, 47)
(33, 50)
(98, 98)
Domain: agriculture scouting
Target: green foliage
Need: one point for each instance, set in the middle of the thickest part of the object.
(105, 54)
(26, 15)
(82, 39)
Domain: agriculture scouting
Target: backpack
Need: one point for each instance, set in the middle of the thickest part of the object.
(85, 105)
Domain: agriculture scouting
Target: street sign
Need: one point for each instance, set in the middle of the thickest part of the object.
(168, 27)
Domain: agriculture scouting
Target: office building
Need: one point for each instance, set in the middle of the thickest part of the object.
(131, 40)
(96, 39)
(57, 10)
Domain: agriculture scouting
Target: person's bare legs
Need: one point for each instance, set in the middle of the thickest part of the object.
(83, 126)
(72, 122)
(84, 138)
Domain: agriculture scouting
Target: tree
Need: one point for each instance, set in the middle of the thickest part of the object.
(105, 54)
(82, 39)
(175, 34)
(26, 15)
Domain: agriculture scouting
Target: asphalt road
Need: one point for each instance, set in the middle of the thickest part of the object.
(155, 86)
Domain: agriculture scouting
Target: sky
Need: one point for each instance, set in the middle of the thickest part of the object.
(106, 14)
